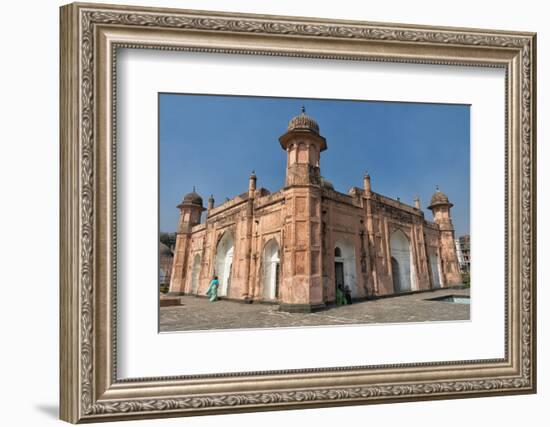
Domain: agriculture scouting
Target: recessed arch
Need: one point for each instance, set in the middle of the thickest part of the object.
(435, 268)
(195, 272)
(302, 153)
(344, 266)
(224, 261)
(271, 270)
(395, 274)
(401, 262)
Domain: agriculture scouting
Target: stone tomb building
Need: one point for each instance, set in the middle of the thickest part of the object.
(296, 245)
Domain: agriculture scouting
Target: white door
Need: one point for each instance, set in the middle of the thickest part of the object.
(434, 265)
(344, 252)
(224, 261)
(226, 275)
(271, 266)
(401, 254)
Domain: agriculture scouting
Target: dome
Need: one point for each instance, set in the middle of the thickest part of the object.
(303, 121)
(325, 183)
(192, 198)
(439, 198)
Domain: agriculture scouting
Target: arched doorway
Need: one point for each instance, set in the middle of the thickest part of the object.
(395, 274)
(434, 266)
(195, 274)
(401, 261)
(224, 262)
(344, 266)
(271, 260)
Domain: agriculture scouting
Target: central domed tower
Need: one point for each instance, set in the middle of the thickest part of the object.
(302, 284)
(303, 144)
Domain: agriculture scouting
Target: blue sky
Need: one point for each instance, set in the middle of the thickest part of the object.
(214, 142)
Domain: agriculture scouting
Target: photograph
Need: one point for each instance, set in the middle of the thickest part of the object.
(267, 211)
(290, 212)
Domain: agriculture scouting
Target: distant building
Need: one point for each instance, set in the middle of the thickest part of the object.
(297, 245)
(459, 255)
(463, 252)
(166, 258)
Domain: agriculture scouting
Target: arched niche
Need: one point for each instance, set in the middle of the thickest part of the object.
(224, 261)
(344, 266)
(195, 272)
(435, 267)
(401, 262)
(271, 270)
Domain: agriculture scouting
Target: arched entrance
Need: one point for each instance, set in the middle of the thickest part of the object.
(195, 274)
(344, 266)
(401, 261)
(434, 266)
(395, 274)
(224, 262)
(271, 260)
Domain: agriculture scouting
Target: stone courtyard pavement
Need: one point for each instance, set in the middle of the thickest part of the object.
(196, 313)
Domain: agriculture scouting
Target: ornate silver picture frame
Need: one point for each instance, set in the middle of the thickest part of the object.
(91, 36)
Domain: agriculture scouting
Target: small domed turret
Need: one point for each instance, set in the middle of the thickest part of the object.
(303, 121)
(190, 211)
(441, 209)
(192, 198)
(439, 199)
(303, 145)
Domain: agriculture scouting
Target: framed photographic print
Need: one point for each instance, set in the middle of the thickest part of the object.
(267, 212)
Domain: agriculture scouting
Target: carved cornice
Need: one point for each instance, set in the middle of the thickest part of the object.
(322, 395)
(266, 26)
(89, 18)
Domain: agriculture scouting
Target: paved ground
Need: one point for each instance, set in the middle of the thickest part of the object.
(199, 313)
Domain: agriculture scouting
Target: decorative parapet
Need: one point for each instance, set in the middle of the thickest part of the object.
(432, 225)
(236, 201)
(340, 197)
(269, 199)
(396, 204)
(198, 227)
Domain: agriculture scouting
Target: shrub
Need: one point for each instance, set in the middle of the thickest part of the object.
(466, 279)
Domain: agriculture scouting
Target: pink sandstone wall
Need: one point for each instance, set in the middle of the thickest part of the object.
(308, 220)
(307, 223)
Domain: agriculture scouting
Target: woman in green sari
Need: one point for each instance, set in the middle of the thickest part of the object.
(340, 296)
(212, 291)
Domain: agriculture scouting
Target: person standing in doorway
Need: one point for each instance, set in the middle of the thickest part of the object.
(340, 296)
(347, 293)
(212, 291)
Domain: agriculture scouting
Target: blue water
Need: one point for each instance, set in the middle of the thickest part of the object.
(455, 299)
